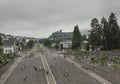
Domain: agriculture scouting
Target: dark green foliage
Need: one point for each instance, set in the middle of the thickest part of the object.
(105, 35)
(116, 60)
(17, 43)
(5, 58)
(30, 44)
(84, 37)
(93, 60)
(21, 44)
(1, 50)
(76, 41)
(87, 47)
(117, 37)
(114, 28)
(102, 59)
(0, 40)
(47, 43)
(56, 46)
(95, 33)
(23, 41)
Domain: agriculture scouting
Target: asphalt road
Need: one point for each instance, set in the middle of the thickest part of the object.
(59, 65)
(25, 72)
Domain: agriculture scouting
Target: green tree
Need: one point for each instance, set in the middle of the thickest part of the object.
(23, 40)
(47, 43)
(22, 45)
(114, 28)
(95, 33)
(17, 43)
(0, 40)
(30, 44)
(76, 41)
(117, 37)
(105, 33)
(56, 46)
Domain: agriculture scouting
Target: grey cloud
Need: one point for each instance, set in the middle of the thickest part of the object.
(33, 17)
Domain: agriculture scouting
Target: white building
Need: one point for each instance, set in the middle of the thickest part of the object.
(84, 45)
(66, 44)
(8, 46)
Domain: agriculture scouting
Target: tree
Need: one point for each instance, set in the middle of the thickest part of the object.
(76, 41)
(0, 40)
(47, 43)
(56, 46)
(23, 40)
(117, 37)
(95, 35)
(30, 44)
(114, 28)
(105, 33)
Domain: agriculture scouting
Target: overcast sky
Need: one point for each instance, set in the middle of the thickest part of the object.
(39, 18)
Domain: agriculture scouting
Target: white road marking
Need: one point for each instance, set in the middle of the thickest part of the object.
(50, 72)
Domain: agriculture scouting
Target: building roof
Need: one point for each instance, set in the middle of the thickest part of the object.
(9, 42)
(66, 42)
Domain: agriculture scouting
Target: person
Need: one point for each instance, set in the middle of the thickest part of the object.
(25, 77)
(47, 72)
(54, 59)
(35, 68)
(72, 63)
(66, 73)
(21, 69)
(40, 68)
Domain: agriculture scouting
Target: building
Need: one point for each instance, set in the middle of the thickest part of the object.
(8, 46)
(66, 44)
(84, 45)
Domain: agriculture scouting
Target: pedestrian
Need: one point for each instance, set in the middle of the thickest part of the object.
(55, 61)
(21, 69)
(66, 73)
(50, 66)
(35, 68)
(54, 58)
(24, 78)
(40, 68)
(47, 72)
